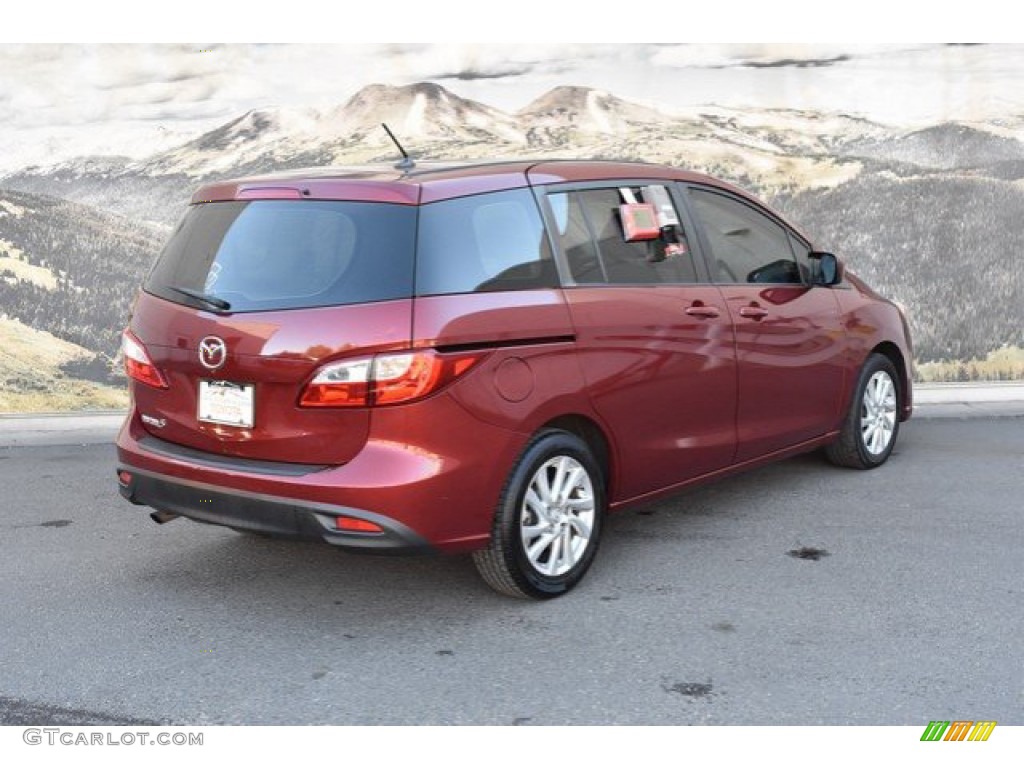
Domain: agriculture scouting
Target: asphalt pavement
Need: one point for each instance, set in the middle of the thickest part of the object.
(795, 594)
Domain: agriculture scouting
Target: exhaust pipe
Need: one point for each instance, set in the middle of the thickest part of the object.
(160, 518)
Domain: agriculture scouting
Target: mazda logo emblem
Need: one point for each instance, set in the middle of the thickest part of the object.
(213, 352)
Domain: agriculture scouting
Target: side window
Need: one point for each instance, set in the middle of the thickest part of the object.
(491, 242)
(746, 246)
(591, 235)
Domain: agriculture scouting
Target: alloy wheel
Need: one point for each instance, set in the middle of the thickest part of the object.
(878, 413)
(557, 516)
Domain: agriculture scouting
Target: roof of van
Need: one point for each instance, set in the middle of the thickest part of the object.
(429, 182)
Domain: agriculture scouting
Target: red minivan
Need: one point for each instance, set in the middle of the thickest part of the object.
(490, 357)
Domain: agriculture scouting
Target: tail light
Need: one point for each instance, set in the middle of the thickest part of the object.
(385, 379)
(137, 364)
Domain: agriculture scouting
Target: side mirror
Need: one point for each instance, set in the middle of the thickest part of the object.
(829, 268)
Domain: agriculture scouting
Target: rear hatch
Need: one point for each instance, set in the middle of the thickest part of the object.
(248, 300)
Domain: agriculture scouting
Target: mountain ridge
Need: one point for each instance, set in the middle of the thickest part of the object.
(864, 189)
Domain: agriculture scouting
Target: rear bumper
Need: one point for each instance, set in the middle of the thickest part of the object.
(267, 514)
(428, 487)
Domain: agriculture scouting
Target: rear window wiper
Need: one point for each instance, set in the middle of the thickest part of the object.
(209, 300)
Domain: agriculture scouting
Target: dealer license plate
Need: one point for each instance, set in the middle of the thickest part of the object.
(225, 402)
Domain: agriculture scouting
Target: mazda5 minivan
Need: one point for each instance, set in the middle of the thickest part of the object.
(490, 358)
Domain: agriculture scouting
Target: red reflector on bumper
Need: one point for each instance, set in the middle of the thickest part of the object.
(355, 524)
(124, 478)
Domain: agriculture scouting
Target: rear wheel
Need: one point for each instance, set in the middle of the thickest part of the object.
(548, 522)
(872, 424)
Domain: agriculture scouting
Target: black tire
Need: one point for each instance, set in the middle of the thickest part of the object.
(852, 449)
(505, 564)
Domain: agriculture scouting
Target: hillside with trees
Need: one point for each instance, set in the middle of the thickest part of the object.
(96, 261)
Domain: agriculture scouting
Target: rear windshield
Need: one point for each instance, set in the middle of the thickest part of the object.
(288, 254)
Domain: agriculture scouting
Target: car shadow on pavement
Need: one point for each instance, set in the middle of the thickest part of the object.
(284, 580)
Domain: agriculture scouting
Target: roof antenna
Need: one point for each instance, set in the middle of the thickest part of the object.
(406, 163)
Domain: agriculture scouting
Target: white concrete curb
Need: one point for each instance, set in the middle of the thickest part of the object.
(969, 400)
(989, 392)
(60, 428)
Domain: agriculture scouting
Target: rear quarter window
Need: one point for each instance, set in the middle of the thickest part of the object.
(284, 254)
(490, 242)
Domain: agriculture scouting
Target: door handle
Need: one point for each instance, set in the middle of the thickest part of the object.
(753, 311)
(702, 310)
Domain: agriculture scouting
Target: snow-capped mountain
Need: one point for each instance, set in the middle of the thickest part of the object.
(585, 111)
(255, 134)
(415, 112)
(434, 123)
(419, 114)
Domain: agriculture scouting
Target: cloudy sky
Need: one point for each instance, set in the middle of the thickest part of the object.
(60, 101)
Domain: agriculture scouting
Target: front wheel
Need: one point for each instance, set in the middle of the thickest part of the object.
(548, 522)
(872, 423)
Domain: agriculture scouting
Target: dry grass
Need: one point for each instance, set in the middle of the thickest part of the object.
(31, 379)
(15, 262)
(69, 395)
(1003, 364)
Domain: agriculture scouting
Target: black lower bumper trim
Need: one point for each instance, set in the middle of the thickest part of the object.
(273, 515)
